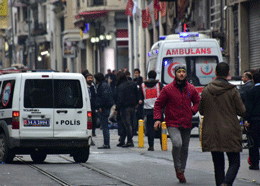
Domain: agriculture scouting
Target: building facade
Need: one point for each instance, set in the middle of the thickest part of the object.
(243, 35)
(104, 34)
(111, 34)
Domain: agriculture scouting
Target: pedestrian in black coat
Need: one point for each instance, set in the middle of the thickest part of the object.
(92, 95)
(127, 100)
(248, 85)
(252, 119)
(104, 101)
(138, 80)
(110, 79)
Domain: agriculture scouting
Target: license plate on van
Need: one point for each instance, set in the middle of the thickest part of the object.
(36, 123)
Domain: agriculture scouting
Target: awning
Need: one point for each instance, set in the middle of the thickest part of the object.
(92, 14)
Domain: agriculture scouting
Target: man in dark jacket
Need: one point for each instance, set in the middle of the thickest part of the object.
(221, 132)
(252, 120)
(127, 100)
(148, 93)
(92, 95)
(138, 80)
(248, 85)
(177, 98)
(104, 101)
(110, 79)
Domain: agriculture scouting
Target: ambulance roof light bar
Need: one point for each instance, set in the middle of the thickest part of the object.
(188, 34)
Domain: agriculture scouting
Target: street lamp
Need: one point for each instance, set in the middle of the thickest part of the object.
(108, 37)
(93, 40)
(101, 37)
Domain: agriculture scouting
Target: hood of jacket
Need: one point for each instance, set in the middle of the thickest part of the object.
(219, 86)
(151, 82)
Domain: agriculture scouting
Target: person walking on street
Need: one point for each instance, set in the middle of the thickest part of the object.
(127, 100)
(252, 120)
(221, 132)
(110, 79)
(128, 76)
(138, 80)
(104, 101)
(247, 86)
(177, 98)
(148, 94)
(120, 125)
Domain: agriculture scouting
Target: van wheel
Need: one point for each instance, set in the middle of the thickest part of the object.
(6, 154)
(81, 156)
(38, 157)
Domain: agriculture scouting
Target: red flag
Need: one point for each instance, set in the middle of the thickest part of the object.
(156, 13)
(144, 19)
(156, 5)
(129, 8)
(163, 9)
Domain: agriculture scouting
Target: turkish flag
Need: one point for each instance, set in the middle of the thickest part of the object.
(129, 8)
(163, 9)
(144, 19)
(156, 5)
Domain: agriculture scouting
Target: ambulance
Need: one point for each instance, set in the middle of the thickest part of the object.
(197, 52)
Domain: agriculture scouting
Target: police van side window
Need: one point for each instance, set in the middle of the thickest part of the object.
(38, 93)
(7, 92)
(68, 94)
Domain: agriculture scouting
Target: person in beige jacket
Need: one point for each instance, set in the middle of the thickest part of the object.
(221, 132)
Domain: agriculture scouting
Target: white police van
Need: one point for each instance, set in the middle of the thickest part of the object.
(197, 52)
(44, 113)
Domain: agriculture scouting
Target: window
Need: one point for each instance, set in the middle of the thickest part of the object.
(18, 14)
(200, 69)
(98, 2)
(67, 94)
(78, 3)
(24, 13)
(38, 93)
(7, 93)
(152, 64)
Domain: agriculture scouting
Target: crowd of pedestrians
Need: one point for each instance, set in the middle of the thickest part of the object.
(116, 95)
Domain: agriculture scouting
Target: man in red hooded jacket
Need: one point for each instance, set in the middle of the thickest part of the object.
(177, 98)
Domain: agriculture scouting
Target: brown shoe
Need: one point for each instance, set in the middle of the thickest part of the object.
(180, 176)
(150, 149)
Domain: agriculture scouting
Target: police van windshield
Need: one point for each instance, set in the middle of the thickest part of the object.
(40, 93)
(200, 69)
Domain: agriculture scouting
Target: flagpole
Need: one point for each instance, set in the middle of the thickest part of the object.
(148, 40)
(135, 42)
(130, 45)
(141, 37)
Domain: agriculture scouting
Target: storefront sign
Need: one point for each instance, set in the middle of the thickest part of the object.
(69, 49)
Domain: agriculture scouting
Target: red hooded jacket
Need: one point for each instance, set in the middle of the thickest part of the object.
(178, 106)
